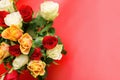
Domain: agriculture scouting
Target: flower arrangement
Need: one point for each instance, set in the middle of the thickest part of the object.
(27, 40)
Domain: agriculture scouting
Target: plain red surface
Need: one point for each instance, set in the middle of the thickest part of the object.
(90, 31)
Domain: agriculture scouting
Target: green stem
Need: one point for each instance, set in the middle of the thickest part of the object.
(46, 27)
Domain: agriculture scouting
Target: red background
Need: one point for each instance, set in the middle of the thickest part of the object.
(90, 31)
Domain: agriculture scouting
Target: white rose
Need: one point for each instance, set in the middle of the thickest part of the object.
(6, 5)
(55, 53)
(20, 61)
(49, 10)
(13, 19)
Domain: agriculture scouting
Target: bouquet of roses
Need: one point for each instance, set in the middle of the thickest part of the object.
(28, 40)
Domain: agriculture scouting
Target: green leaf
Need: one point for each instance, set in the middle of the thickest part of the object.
(37, 42)
(32, 31)
(40, 21)
(46, 28)
(64, 52)
(40, 78)
(8, 59)
(25, 26)
(51, 31)
(22, 68)
(33, 23)
(48, 60)
(42, 34)
(1, 40)
(31, 51)
(59, 40)
(1, 28)
(43, 51)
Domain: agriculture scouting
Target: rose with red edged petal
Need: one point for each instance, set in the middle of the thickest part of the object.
(11, 76)
(2, 16)
(15, 50)
(36, 54)
(49, 42)
(26, 13)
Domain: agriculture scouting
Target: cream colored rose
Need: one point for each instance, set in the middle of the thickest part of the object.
(25, 42)
(4, 51)
(7, 5)
(49, 10)
(55, 53)
(37, 67)
(12, 33)
(13, 19)
(20, 61)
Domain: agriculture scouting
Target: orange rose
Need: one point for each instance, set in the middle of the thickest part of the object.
(37, 67)
(12, 33)
(25, 42)
(4, 51)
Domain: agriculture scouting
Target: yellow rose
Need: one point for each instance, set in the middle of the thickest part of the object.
(4, 51)
(12, 33)
(25, 42)
(37, 67)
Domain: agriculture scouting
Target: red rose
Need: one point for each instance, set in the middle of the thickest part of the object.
(26, 12)
(15, 50)
(2, 16)
(49, 42)
(11, 76)
(36, 54)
